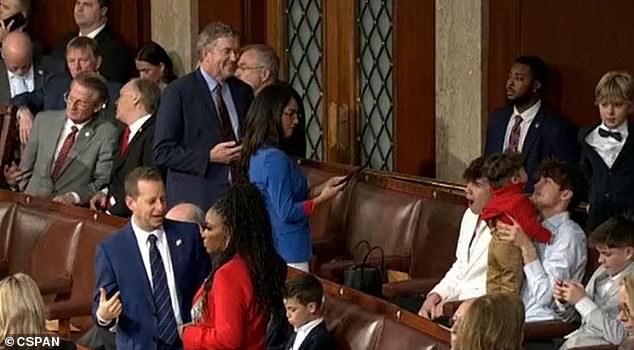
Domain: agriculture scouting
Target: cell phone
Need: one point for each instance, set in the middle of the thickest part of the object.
(349, 176)
(18, 21)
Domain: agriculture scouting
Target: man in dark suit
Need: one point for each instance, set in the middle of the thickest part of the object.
(137, 102)
(91, 17)
(200, 119)
(147, 273)
(82, 55)
(69, 154)
(525, 125)
(259, 66)
(18, 71)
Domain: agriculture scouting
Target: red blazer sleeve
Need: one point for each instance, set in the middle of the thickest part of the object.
(228, 328)
(524, 213)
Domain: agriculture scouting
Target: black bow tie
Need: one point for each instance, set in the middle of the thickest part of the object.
(614, 134)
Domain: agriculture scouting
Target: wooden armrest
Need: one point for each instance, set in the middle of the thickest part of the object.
(413, 287)
(55, 286)
(65, 310)
(546, 330)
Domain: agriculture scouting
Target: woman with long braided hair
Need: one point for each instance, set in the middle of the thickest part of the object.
(232, 307)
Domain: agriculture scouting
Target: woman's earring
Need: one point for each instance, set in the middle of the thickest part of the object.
(226, 244)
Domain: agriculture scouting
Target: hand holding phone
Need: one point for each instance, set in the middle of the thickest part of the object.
(349, 177)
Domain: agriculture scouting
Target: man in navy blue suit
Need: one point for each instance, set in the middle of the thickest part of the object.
(147, 272)
(199, 121)
(525, 125)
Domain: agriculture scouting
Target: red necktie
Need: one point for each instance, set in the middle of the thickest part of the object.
(123, 143)
(63, 153)
(226, 129)
(514, 138)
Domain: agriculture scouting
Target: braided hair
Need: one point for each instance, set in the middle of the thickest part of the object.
(249, 232)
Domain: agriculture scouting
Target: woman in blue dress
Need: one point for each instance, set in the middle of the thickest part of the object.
(289, 202)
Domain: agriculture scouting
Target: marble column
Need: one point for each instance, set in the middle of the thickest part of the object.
(461, 35)
(175, 27)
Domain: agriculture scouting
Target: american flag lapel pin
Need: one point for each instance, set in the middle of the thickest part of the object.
(179, 242)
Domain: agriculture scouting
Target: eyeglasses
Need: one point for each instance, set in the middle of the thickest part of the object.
(83, 105)
(245, 67)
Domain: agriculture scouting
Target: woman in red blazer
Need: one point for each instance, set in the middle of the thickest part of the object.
(232, 307)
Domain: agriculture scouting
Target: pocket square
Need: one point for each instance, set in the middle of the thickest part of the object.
(179, 242)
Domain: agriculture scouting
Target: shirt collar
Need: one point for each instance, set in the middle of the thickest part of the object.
(307, 327)
(134, 127)
(69, 124)
(211, 82)
(142, 235)
(621, 128)
(27, 76)
(529, 114)
(556, 220)
(619, 275)
(95, 32)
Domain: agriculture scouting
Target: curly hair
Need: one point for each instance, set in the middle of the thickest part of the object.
(249, 232)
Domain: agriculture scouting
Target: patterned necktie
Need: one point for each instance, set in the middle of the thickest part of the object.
(613, 134)
(226, 129)
(166, 326)
(123, 143)
(63, 153)
(514, 138)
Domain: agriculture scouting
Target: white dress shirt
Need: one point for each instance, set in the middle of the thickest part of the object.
(94, 33)
(21, 83)
(303, 331)
(163, 248)
(467, 276)
(608, 148)
(564, 258)
(136, 126)
(527, 118)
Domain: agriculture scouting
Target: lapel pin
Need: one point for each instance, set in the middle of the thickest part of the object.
(40, 72)
(536, 125)
(179, 242)
(87, 134)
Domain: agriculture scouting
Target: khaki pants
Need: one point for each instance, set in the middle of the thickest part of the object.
(504, 271)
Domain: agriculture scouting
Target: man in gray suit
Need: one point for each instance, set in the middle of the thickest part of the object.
(596, 307)
(18, 71)
(69, 155)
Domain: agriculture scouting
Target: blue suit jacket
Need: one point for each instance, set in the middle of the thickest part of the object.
(119, 267)
(187, 128)
(611, 189)
(549, 135)
(284, 188)
(51, 95)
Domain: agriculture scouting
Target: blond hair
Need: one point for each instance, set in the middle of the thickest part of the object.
(211, 33)
(492, 322)
(613, 87)
(21, 306)
(628, 283)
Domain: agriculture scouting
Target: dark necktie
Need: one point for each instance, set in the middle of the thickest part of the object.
(166, 326)
(63, 153)
(291, 341)
(226, 130)
(514, 138)
(123, 143)
(613, 134)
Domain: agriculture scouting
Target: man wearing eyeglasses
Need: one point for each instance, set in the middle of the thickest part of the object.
(69, 155)
(258, 66)
(82, 55)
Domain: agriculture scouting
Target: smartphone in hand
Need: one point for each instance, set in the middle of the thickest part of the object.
(349, 177)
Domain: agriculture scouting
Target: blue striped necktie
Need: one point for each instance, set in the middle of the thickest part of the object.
(166, 326)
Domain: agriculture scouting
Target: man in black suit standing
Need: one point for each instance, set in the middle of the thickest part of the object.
(137, 102)
(91, 17)
(200, 120)
(525, 125)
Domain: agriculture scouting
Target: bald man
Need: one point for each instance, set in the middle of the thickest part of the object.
(186, 212)
(18, 71)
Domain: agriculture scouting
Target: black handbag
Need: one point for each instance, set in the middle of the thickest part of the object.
(364, 277)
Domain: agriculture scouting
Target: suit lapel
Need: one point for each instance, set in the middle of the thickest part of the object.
(84, 136)
(533, 132)
(38, 78)
(5, 86)
(132, 251)
(176, 245)
(50, 143)
(628, 146)
(120, 161)
(205, 96)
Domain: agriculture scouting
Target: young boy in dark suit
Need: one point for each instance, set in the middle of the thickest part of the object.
(303, 297)
(607, 150)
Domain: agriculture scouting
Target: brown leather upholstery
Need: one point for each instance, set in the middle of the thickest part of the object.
(55, 244)
(9, 137)
(361, 321)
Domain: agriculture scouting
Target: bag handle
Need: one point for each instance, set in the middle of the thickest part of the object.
(359, 244)
(367, 255)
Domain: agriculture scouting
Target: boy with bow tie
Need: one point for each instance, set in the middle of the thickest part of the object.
(607, 154)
